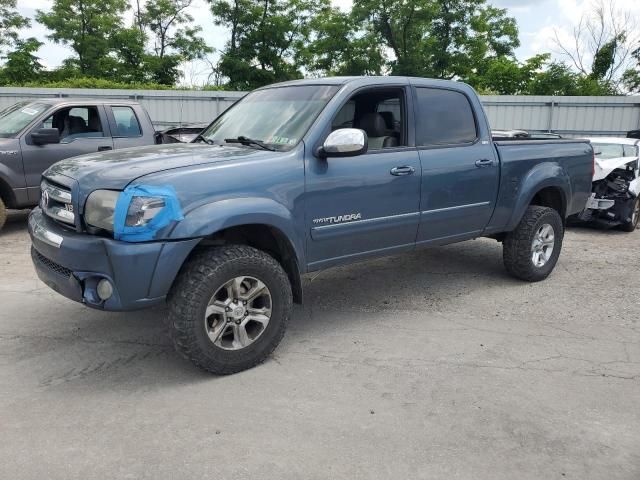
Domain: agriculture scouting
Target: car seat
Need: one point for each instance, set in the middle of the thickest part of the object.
(376, 128)
(73, 127)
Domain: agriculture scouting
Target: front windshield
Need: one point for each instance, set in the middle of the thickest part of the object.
(276, 117)
(18, 116)
(607, 150)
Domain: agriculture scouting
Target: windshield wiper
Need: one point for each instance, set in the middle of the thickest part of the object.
(242, 140)
(203, 138)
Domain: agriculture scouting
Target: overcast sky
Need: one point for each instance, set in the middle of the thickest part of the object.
(536, 19)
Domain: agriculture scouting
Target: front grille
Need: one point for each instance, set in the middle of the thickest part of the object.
(50, 264)
(56, 203)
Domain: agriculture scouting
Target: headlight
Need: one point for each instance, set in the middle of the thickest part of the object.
(98, 211)
(135, 214)
(142, 210)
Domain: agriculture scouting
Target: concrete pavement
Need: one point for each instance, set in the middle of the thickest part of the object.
(432, 365)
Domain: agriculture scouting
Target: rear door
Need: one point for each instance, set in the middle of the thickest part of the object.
(460, 170)
(83, 129)
(126, 127)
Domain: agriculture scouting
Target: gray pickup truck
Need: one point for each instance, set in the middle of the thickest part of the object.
(294, 178)
(35, 135)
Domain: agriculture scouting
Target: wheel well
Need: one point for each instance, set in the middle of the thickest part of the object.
(551, 197)
(6, 194)
(269, 240)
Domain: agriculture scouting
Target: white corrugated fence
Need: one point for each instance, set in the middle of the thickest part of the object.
(565, 115)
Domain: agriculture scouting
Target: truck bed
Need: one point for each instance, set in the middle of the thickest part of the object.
(571, 161)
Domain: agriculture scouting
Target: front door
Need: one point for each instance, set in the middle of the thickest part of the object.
(365, 205)
(460, 171)
(82, 130)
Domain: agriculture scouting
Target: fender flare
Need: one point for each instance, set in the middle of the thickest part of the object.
(205, 220)
(543, 175)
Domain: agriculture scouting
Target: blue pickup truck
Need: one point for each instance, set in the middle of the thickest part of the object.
(295, 178)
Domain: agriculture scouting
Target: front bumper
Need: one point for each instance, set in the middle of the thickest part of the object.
(73, 263)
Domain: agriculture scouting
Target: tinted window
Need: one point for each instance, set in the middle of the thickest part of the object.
(445, 117)
(607, 150)
(126, 122)
(630, 151)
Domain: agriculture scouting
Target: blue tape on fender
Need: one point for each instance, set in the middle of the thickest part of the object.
(170, 213)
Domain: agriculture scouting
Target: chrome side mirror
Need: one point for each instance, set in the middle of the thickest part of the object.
(345, 142)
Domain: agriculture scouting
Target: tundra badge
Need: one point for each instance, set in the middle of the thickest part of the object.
(339, 219)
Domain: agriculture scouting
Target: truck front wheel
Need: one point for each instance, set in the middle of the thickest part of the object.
(229, 308)
(531, 251)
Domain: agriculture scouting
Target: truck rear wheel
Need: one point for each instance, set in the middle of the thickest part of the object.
(531, 251)
(229, 308)
(3, 214)
(631, 225)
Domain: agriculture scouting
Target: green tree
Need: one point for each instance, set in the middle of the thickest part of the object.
(88, 27)
(605, 57)
(168, 25)
(10, 22)
(605, 34)
(22, 64)
(439, 38)
(129, 49)
(266, 38)
(507, 76)
(560, 79)
(336, 48)
(631, 77)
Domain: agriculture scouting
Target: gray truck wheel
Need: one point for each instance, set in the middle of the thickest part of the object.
(3, 214)
(531, 251)
(631, 225)
(229, 308)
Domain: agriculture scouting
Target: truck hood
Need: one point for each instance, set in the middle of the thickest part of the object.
(116, 169)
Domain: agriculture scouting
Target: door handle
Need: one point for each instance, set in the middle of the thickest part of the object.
(485, 162)
(104, 148)
(401, 171)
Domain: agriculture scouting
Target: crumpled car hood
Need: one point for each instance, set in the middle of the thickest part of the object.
(604, 166)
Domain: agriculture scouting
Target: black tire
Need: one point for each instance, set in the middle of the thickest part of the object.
(201, 276)
(631, 225)
(517, 246)
(3, 214)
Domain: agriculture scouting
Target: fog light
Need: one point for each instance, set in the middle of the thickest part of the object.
(104, 289)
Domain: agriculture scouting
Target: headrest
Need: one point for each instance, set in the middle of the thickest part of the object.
(388, 119)
(373, 123)
(76, 122)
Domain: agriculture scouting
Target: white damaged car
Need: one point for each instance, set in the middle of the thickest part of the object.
(614, 200)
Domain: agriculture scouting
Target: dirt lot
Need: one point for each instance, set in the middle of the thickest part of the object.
(433, 365)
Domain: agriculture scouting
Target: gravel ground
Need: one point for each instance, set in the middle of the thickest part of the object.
(431, 365)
